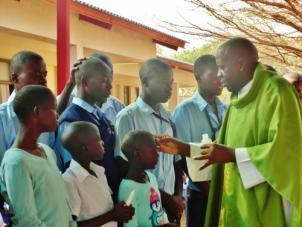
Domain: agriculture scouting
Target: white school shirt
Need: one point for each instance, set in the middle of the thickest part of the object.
(88, 196)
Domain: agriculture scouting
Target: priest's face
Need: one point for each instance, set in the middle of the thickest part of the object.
(230, 70)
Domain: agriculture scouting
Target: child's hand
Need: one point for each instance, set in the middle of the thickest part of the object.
(180, 204)
(122, 212)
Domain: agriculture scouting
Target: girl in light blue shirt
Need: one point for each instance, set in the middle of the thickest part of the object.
(29, 179)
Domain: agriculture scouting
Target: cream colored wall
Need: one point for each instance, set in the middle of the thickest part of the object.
(181, 79)
(31, 25)
(116, 41)
(120, 81)
(39, 18)
(12, 42)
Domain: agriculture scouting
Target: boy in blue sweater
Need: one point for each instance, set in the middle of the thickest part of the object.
(93, 81)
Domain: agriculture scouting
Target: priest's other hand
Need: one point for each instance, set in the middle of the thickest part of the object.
(172, 146)
(215, 153)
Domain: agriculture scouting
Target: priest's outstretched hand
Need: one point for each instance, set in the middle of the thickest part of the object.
(215, 154)
(170, 145)
(212, 153)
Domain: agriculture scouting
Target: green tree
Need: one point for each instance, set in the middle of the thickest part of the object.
(275, 26)
(193, 54)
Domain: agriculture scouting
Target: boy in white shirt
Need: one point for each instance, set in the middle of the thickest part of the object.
(89, 194)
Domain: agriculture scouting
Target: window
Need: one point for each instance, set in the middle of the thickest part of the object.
(136, 91)
(127, 97)
(6, 86)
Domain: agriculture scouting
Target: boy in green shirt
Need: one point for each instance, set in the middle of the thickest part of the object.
(140, 150)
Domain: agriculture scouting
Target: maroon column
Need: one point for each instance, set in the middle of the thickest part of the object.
(63, 40)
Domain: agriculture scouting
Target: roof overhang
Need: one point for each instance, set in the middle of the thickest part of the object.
(177, 64)
(106, 19)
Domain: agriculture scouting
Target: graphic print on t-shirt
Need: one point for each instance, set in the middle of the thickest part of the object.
(157, 217)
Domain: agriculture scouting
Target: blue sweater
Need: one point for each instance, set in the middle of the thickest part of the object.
(76, 113)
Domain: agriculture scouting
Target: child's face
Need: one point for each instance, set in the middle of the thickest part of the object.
(95, 148)
(47, 115)
(148, 156)
(210, 82)
(33, 73)
(160, 86)
(99, 87)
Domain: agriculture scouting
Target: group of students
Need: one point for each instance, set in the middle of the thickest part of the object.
(62, 170)
(102, 164)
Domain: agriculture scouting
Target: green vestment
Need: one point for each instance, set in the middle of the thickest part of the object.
(268, 122)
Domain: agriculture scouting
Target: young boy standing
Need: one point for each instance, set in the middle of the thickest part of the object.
(89, 194)
(140, 150)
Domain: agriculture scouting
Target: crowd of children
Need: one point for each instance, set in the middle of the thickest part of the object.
(61, 170)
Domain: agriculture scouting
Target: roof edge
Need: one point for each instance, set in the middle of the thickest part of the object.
(108, 17)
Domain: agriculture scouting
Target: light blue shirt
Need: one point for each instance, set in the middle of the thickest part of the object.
(9, 126)
(63, 155)
(112, 107)
(34, 189)
(139, 116)
(191, 121)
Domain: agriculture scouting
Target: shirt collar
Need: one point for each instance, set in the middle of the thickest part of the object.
(202, 103)
(108, 103)
(245, 89)
(85, 105)
(96, 168)
(12, 97)
(144, 107)
(78, 170)
(199, 100)
(10, 103)
(82, 173)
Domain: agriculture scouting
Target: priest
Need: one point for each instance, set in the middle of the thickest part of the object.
(256, 178)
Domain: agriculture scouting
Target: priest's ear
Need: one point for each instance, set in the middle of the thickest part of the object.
(145, 82)
(241, 64)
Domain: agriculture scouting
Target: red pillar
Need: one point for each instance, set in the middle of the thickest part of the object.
(63, 40)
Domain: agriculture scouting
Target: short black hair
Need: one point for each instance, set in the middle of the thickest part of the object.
(103, 58)
(28, 97)
(22, 58)
(153, 67)
(239, 43)
(90, 67)
(76, 134)
(202, 63)
(135, 140)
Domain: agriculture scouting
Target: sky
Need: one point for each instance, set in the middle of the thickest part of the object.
(153, 13)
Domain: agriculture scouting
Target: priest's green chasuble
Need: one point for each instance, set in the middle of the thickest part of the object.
(268, 122)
